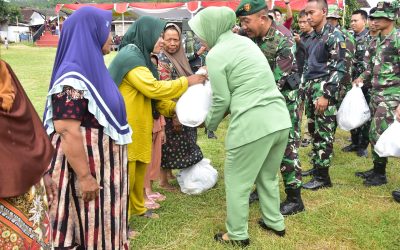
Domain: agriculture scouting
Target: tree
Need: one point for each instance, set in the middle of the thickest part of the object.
(9, 13)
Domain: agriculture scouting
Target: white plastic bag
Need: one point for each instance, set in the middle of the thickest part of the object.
(198, 178)
(194, 104)
(388, 143)
(354, 110)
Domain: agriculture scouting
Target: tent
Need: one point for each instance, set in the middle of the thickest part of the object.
(177, 10)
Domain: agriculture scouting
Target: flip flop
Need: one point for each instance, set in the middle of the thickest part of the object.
(169, 188)
(150, 204)
(150, 215)
(156, 196)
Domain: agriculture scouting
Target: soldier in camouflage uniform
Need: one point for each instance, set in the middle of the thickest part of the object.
(278, 46)
(324, 70)
(333, 17)
(383, 70)
(359, 136)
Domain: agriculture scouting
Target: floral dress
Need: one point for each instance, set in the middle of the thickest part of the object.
(181, 149)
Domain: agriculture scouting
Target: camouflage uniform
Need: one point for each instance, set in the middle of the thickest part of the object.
(360, 136)
(324, 70)
(345, 83)
(278, 47)
(383, 70)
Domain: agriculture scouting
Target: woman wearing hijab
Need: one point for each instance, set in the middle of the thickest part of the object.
(180, 150)
(137, 78)
(25, 153)
(85, 117)
(243, 84)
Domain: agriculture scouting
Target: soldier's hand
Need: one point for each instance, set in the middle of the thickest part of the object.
(321, 104)
(398, 113)
(358, 82)
(296, 37)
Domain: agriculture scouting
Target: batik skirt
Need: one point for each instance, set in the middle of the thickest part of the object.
(101, 223)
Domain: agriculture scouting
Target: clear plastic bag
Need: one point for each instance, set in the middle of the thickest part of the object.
(388, 143)
(354, 110)
(198, 178)
(193, 106)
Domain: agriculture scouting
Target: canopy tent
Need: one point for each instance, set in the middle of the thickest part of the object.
(177, 10)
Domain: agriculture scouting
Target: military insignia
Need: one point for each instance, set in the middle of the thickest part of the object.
(380, 5)
(343, 45)
(247, 7)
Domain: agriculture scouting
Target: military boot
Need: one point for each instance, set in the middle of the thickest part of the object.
(378, 177)
(396, 195)
(365, 174)
(293, 203)
(253, 196)
(308, 172)
(321, 179)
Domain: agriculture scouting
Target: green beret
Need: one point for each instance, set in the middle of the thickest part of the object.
(249, 7)
(387, 10)
(334, 11)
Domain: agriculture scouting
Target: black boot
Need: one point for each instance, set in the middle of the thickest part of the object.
(321, 179)
(362, 152)
(211, 135)
(378, 177)
(308, 172)
(396, 195)
(293, 203)
(365, 174)
(350, 148)
(253, 196)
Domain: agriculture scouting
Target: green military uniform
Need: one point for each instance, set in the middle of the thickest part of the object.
(324, 70)
(279, 48)
(383, 70)
(243, 85)
(345, 85)
(360, 136)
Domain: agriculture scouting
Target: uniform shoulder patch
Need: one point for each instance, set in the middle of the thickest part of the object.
(343, 45)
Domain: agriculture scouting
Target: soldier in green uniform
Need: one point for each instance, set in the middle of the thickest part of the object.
(333, 17)
(324, 70)
(383, 70)
(278, 46)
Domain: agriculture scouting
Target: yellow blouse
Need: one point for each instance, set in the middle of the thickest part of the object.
(138, 88)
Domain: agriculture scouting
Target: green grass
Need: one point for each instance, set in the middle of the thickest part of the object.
(347, 216)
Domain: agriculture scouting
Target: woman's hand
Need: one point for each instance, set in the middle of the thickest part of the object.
(196, 79)
(51, 188)
(88, 187)
(163, 136)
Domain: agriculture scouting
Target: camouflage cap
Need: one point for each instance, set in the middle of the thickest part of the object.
(387, 9)
(334, 11)
(249, 7)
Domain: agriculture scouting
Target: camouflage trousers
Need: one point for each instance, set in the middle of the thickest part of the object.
(382, 114)
(322, 126)
(290, 166)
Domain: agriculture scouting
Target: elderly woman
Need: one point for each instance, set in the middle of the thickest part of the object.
(25, 152)
(137, 78)
(85, 117)
(244, 85)
(180, 139)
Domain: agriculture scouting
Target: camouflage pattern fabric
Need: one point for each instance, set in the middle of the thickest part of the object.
(350, 60)
(279, 48)
(360, 136)
(383, 71)
(322, 126)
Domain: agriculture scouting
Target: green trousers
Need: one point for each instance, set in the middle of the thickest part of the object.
(256, 162)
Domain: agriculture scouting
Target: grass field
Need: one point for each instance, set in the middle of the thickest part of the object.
(347, 216)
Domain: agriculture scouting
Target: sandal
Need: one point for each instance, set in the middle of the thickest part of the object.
(219, 237)
(156, 196)
(168, 188)
(150, 215)
(150, 204)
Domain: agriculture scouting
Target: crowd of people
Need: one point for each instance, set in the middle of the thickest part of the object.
(109, 133)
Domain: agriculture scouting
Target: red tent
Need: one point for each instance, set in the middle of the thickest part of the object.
(192, 6)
